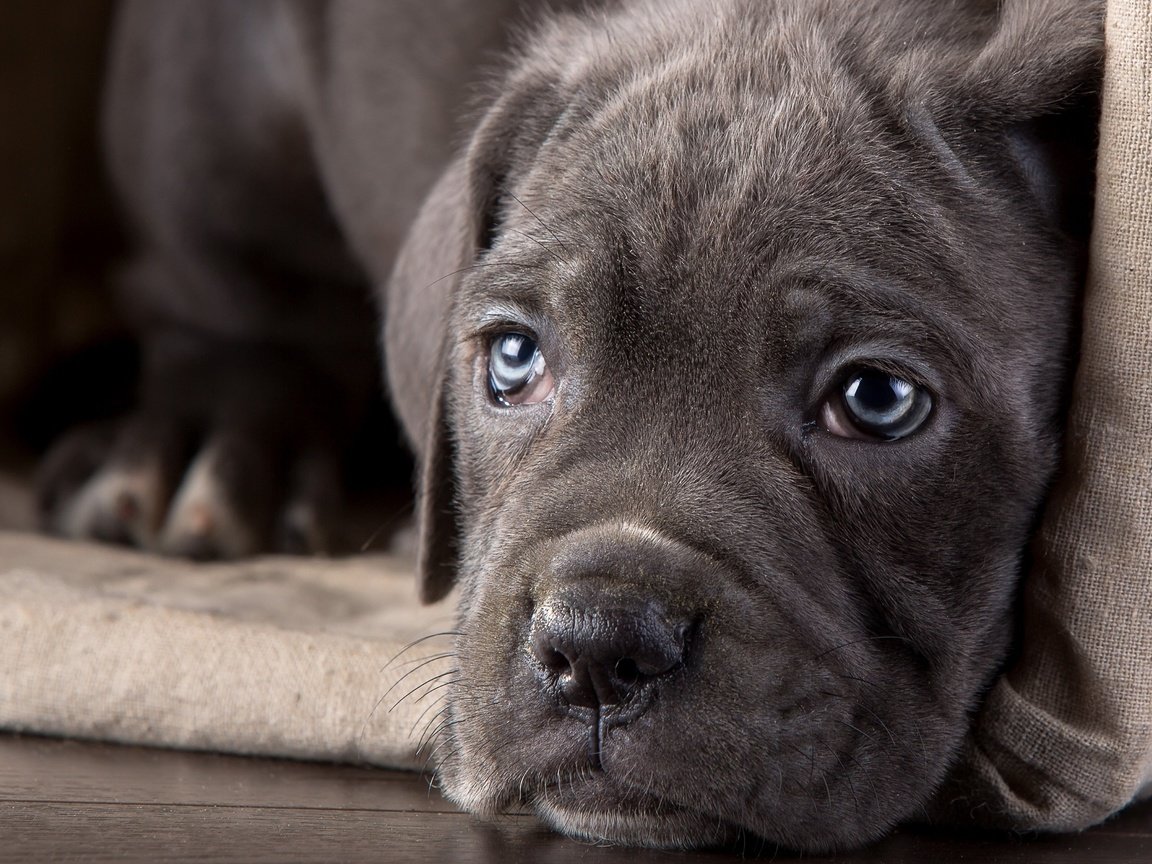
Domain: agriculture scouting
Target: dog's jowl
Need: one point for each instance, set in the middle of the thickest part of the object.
(733, 345)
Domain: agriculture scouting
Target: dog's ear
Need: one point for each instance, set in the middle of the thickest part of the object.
(1040, 57)
(418, 304)
(1030, 88)
(454, 229)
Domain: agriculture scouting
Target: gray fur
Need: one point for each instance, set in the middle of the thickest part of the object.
(705, 212)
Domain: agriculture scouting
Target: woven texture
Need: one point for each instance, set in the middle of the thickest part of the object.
(278, 657)
(1065, 738)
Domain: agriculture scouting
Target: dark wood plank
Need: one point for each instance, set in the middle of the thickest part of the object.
(137, 833)
(54, 770)
(1136, 820)
(73, 801)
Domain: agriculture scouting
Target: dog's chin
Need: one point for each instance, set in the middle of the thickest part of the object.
(592, 809)
(667, 828)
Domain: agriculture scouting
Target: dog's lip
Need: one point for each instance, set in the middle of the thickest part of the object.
(661, 825)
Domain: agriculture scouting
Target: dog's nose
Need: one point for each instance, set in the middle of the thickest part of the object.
(603, 654)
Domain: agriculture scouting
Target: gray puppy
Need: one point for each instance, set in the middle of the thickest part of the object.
(733, 346)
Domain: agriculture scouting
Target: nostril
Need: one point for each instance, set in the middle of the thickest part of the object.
(683, 632)
(550, 653)
(596, 656)
(627, 672)
(555, 661)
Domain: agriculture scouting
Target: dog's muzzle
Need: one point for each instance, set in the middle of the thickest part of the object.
(599, 644)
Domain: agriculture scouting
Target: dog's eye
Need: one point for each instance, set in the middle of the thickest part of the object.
(517, 371)
(874, 404)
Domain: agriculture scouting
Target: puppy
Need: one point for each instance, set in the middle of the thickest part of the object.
(733, 346)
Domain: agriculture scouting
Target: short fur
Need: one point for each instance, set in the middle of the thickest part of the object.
(706, 212)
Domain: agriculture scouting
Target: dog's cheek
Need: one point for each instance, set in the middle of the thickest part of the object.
(937, 540)
(936, 588)
(484, 769)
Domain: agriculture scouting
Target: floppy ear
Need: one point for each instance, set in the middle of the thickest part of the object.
(454, 228)
(1032, 83)
(1040, 58)
(1045, 65)
(420, 295)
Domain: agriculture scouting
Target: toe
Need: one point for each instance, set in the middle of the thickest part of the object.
(125, 495)
(223, 506)
(313, 508)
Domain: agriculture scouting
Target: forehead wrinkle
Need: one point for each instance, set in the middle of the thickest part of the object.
(526, 289)
(489, 301)
(855, 289)
(682, 169)
(677, 194)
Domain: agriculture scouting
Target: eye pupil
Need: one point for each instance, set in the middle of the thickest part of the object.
(879, 395)
(885, 406)
(516, 350)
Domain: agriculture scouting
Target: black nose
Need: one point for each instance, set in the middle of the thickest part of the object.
(602, 654)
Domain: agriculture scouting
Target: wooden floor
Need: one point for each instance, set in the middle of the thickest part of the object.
(71, 801)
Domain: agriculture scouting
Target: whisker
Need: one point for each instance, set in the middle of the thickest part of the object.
(424, 713)
(447, 723)
(811, 759)
(441, 715)
(833, 694)
(400, 701)
(844, 773)
(855, 678)
(541, 221)
(923, 746)
(431, 756)
(414, 670)
(416, 642)
(883, 725)
(376, 705)
(538, 243)
(432, 690)
(858, 641)
(478, 266)
(501, 747)
(867, 774)
(387, 523)
(855, 729)
(430, 658)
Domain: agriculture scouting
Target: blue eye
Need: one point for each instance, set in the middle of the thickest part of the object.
(517, 371)
(880, 405)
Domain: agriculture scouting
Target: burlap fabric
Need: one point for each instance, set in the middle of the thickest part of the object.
(292, 658)
(1065, 737)
(278, 657)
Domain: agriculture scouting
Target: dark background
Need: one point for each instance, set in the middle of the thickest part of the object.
(63, 355)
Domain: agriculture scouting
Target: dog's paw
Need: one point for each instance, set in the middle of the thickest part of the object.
(156, 484)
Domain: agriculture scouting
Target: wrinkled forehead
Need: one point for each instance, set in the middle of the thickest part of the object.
(690, 219)
(769, 194)
(641, 309)
(695, 148)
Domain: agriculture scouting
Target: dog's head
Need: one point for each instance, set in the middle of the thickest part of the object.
(739, 403)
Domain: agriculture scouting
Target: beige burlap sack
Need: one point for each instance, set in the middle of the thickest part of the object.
(1065, 738)
(292, 658)
(275, 657)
